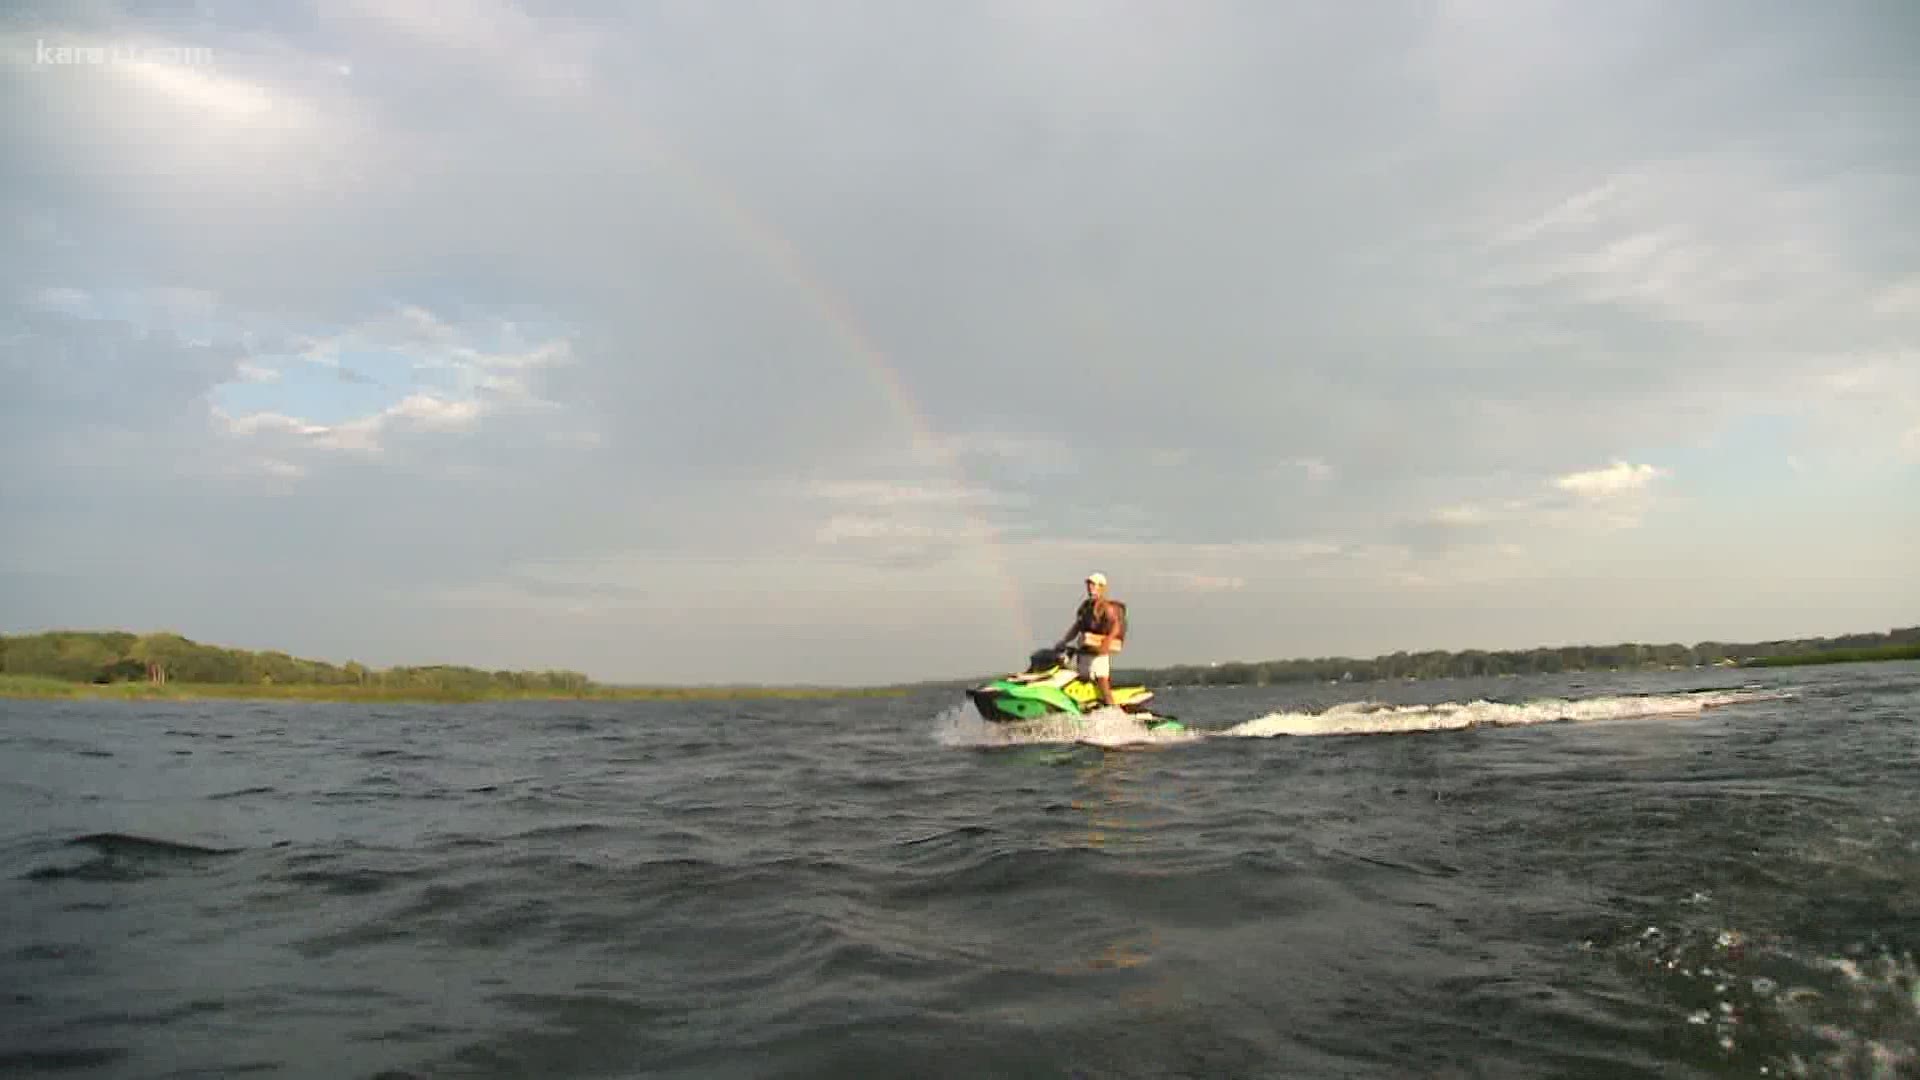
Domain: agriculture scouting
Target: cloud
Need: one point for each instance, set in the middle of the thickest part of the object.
(1207, 582)
(440, 379)
(1615, 480)
(432, 412)
(416, 412)
(210, 121)
(1314, 468)
(884, 495)
(1851, 409)
(530, 54)
(54, 298)
(1614, 497)
(255, 423)
(1899, 300)
(676, 305)
(845, 527)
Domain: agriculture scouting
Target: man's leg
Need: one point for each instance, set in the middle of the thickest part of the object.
(1103, 675)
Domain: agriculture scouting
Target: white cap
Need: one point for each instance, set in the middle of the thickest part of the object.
(1097, 578)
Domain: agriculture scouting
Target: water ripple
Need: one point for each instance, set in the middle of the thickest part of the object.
(1510, 878)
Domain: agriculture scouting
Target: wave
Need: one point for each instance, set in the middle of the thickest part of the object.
(1374, 718)
(1775, 1005)
(960, 726)
(126, 857)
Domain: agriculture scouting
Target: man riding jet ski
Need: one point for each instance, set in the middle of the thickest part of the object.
(1073, 681)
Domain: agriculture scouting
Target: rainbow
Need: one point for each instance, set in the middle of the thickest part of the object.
(839, 317)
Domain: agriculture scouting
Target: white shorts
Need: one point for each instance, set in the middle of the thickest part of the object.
(1093, 665)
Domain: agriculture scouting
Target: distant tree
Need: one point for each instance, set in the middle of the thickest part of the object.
(1474, 662)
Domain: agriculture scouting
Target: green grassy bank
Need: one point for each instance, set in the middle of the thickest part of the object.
(38, 686)
(117, 665)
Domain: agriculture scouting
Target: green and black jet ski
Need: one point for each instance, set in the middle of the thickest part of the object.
(1051, 686)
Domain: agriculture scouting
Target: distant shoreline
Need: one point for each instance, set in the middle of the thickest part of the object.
(1897, 644)
(43, 688)
(122, 666)
(118, 665)
(1838, 656)
(34, 687)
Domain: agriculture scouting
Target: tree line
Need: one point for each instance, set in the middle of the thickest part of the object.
(1440, 664)
(105, 657)
(117, 656)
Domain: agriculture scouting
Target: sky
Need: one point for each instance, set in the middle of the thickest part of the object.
(837, 342)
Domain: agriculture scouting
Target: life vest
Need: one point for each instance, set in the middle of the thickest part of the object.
(1115, 627)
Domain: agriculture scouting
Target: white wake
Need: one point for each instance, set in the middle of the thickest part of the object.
(1373, 718)
(961, 726)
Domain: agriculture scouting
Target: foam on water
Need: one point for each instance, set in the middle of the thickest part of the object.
(1372, 718)
(962, 726)
(1774, 1007)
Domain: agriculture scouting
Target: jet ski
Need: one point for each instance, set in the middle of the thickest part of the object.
(1051, 686)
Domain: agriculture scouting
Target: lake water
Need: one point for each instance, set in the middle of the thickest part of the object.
(1696, 873)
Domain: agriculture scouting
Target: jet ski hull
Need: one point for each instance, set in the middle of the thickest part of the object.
(1045, 690)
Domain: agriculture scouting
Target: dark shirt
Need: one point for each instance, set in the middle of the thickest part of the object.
(1096, 617)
